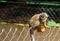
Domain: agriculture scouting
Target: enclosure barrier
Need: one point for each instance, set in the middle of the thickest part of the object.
(11, 32)
(16, 15)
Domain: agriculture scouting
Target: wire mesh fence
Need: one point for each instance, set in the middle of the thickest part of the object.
(10, 32)
(14, 33)
(22, 14)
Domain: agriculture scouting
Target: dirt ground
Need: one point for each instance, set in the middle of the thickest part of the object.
(11, 32)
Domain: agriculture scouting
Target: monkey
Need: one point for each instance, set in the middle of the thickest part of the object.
(38, 22)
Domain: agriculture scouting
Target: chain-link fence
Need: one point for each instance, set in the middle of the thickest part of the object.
(24, 13)
(10, 32)
(21, 14)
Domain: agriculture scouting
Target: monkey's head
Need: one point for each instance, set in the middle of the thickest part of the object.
(43, 17)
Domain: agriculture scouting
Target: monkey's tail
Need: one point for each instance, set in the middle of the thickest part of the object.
(32, 38)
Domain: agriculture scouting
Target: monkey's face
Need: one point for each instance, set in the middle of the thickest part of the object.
(43, 17)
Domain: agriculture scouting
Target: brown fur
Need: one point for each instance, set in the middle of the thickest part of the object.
(37, 24)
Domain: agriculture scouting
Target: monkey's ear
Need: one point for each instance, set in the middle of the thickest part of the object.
(45, 14)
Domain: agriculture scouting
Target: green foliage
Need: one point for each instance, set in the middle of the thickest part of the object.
(52, 23)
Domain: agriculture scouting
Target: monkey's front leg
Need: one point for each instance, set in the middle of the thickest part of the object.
(45, 25)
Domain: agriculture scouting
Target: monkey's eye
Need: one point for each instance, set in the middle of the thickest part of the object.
(42, 17)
